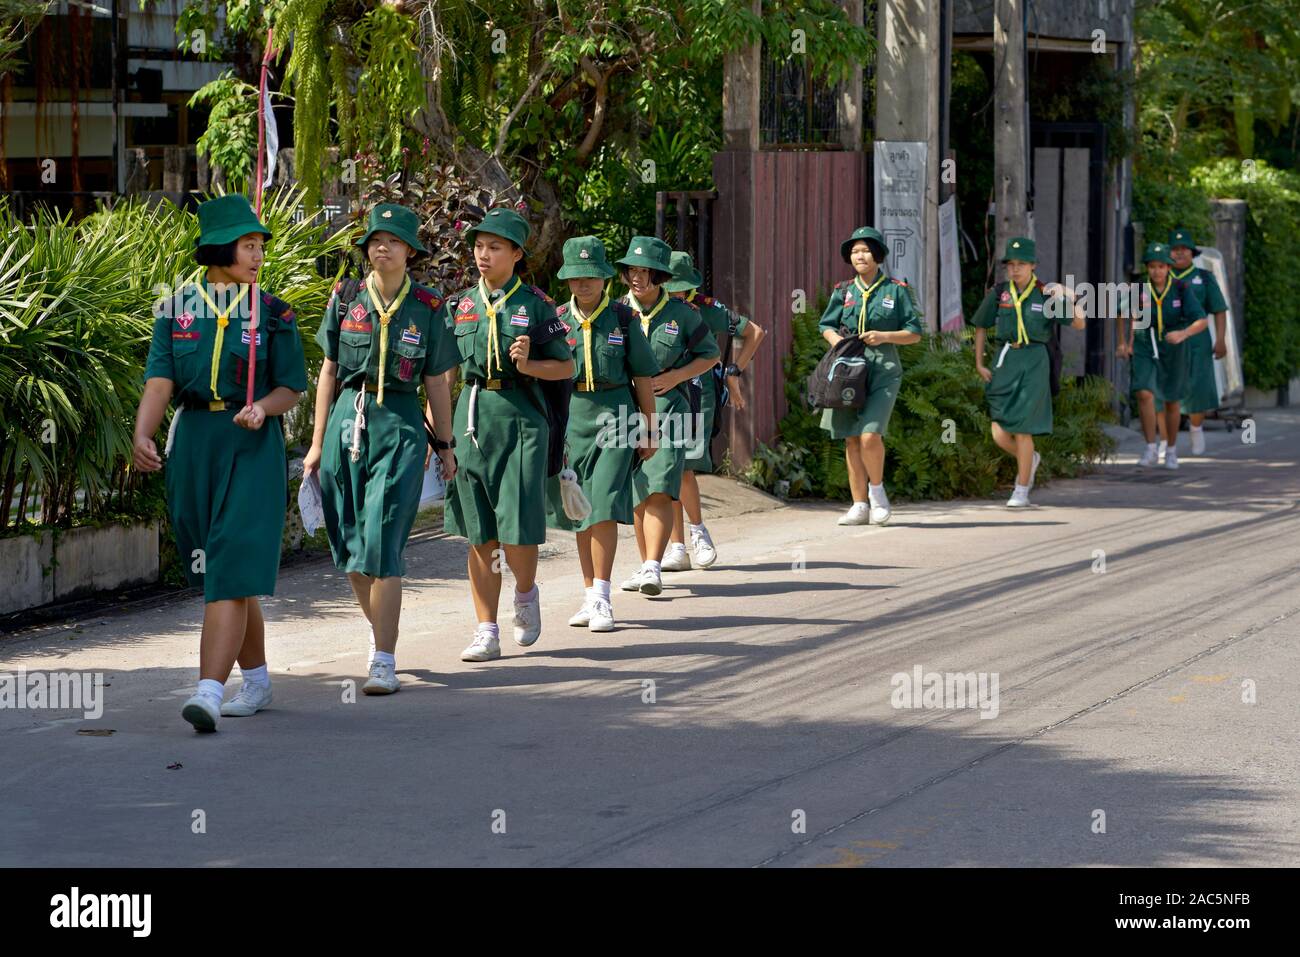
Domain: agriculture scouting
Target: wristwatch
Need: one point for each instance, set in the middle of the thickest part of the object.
(440, 445)
(733, 369)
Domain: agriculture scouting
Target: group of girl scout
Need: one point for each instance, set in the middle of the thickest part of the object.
(637, 361)
(639, 418)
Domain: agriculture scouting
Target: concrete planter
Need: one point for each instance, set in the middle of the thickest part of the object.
(26, 572)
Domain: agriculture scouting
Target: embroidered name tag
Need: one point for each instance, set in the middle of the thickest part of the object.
(411, 336)
(1197, 281)
(354, 325)
(1036, 307)
(887, 303)
(245, 337)
(192, 334)
(471, 317)
(616, 338)
(670, 327)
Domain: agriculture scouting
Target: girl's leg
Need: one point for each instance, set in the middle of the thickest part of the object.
(386, 607)
(361, 588)
(638, 523)
(1024, 457)
(484, 580)
(252, 653)
(1004, 440)
(522, 560)
(1197, 419)
(1173, 413)
(679, 526)
(603, 544)
(584, 555)
(690, 495)
(658, 526)
(873, 456)
(225, 624)
(857, 468)
(1147, 412)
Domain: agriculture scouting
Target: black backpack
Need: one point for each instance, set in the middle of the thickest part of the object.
(721, 392)
(840, 380)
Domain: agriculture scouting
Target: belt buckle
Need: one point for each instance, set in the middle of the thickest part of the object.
(217, 405)
(492, 385)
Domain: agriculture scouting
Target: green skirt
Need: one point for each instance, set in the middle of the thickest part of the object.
(1020, 392)
(600, 457)
(884, 374)
(226, 492)
(1202, 387)
(1165, 377)
(680, 433)
(370, 505)
(499, 492)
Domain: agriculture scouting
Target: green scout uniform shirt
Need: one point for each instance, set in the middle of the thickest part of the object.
(719, 317)
(419, 343)
(889, 307)
(182, 344)
(527, 311)
(1179, 310)
(998, 312)
(672, 330)
(618, 353)
(1202, 284)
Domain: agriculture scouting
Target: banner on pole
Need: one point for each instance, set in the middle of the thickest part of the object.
(900, 211)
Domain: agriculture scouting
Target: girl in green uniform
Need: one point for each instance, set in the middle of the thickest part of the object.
(508, 337)
(613, 360)
(879, 311)
(1021, 312)
(683, 349)
(1202, 387)
(226, 479)
(381, 341)
(721, 321)
(1154, 336)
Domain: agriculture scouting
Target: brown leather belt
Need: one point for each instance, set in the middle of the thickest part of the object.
(581, 386)
(492, 385)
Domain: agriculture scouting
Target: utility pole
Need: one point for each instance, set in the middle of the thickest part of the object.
(1010, 136)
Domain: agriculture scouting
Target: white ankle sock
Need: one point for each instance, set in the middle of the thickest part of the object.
(488, 628)
(387, 657)
(863, 504)
(651, 566)
(212, 688)
(256, 676)
(695, 528)
(526, 597)
(1197, 428)
(600, 589)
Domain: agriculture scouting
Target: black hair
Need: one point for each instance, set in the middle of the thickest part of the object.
(657, 276)
(220, 255)
(877, 251)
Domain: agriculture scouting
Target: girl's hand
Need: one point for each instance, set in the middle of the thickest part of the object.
(984, 372)
(519, 353)
(1123, 351)
(1220, 349)
(250, 417)
(145, 455)
(311, 462)
(1175, 337)
(448, 459)
(737, 397)
(873, 337)
(664, 383)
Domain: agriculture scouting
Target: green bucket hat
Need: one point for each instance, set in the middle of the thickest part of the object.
(1183, 237)
(685, 276)
(1157, 252)
(224, 219)
(649, 252)
(584, 258)
(395, 219)
(871, 235)
(502, 222)
(1022, 248)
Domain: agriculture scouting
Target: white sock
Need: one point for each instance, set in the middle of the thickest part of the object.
(1151, 446)
(878, 490)
(1197, 428)
(526, 597)
(387, 657)
(856, 504)
(488, 628)
(1022, 489)
(695, 528)
(600, 589)
(256, 676)
(212, 688)
(651, 566)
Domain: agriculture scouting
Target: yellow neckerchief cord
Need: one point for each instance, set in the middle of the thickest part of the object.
(866, 295)
(1018, 300)
(586, 322)
(494, 345)
(223, 320)
(1160, 305)
(647, 317)
(385, 316)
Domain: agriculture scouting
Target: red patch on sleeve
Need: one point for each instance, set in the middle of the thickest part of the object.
(428, 298)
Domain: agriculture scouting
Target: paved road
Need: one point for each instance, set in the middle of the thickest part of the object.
(772, 738)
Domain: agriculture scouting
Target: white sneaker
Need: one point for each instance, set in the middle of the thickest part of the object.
(880, 511)
(1149, 457)
(202, 711)
(528, 620)
(250, 700)
(602, 616)
(859, 514)
(583, 616)
(1019, 497)
(651, 583)
(1198, 441)
(633, 583)
(383, 679)
(484, 647)
(1164, 446)
(1171, 459)
(676, 559)
(702, 547)
(1033, 471)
